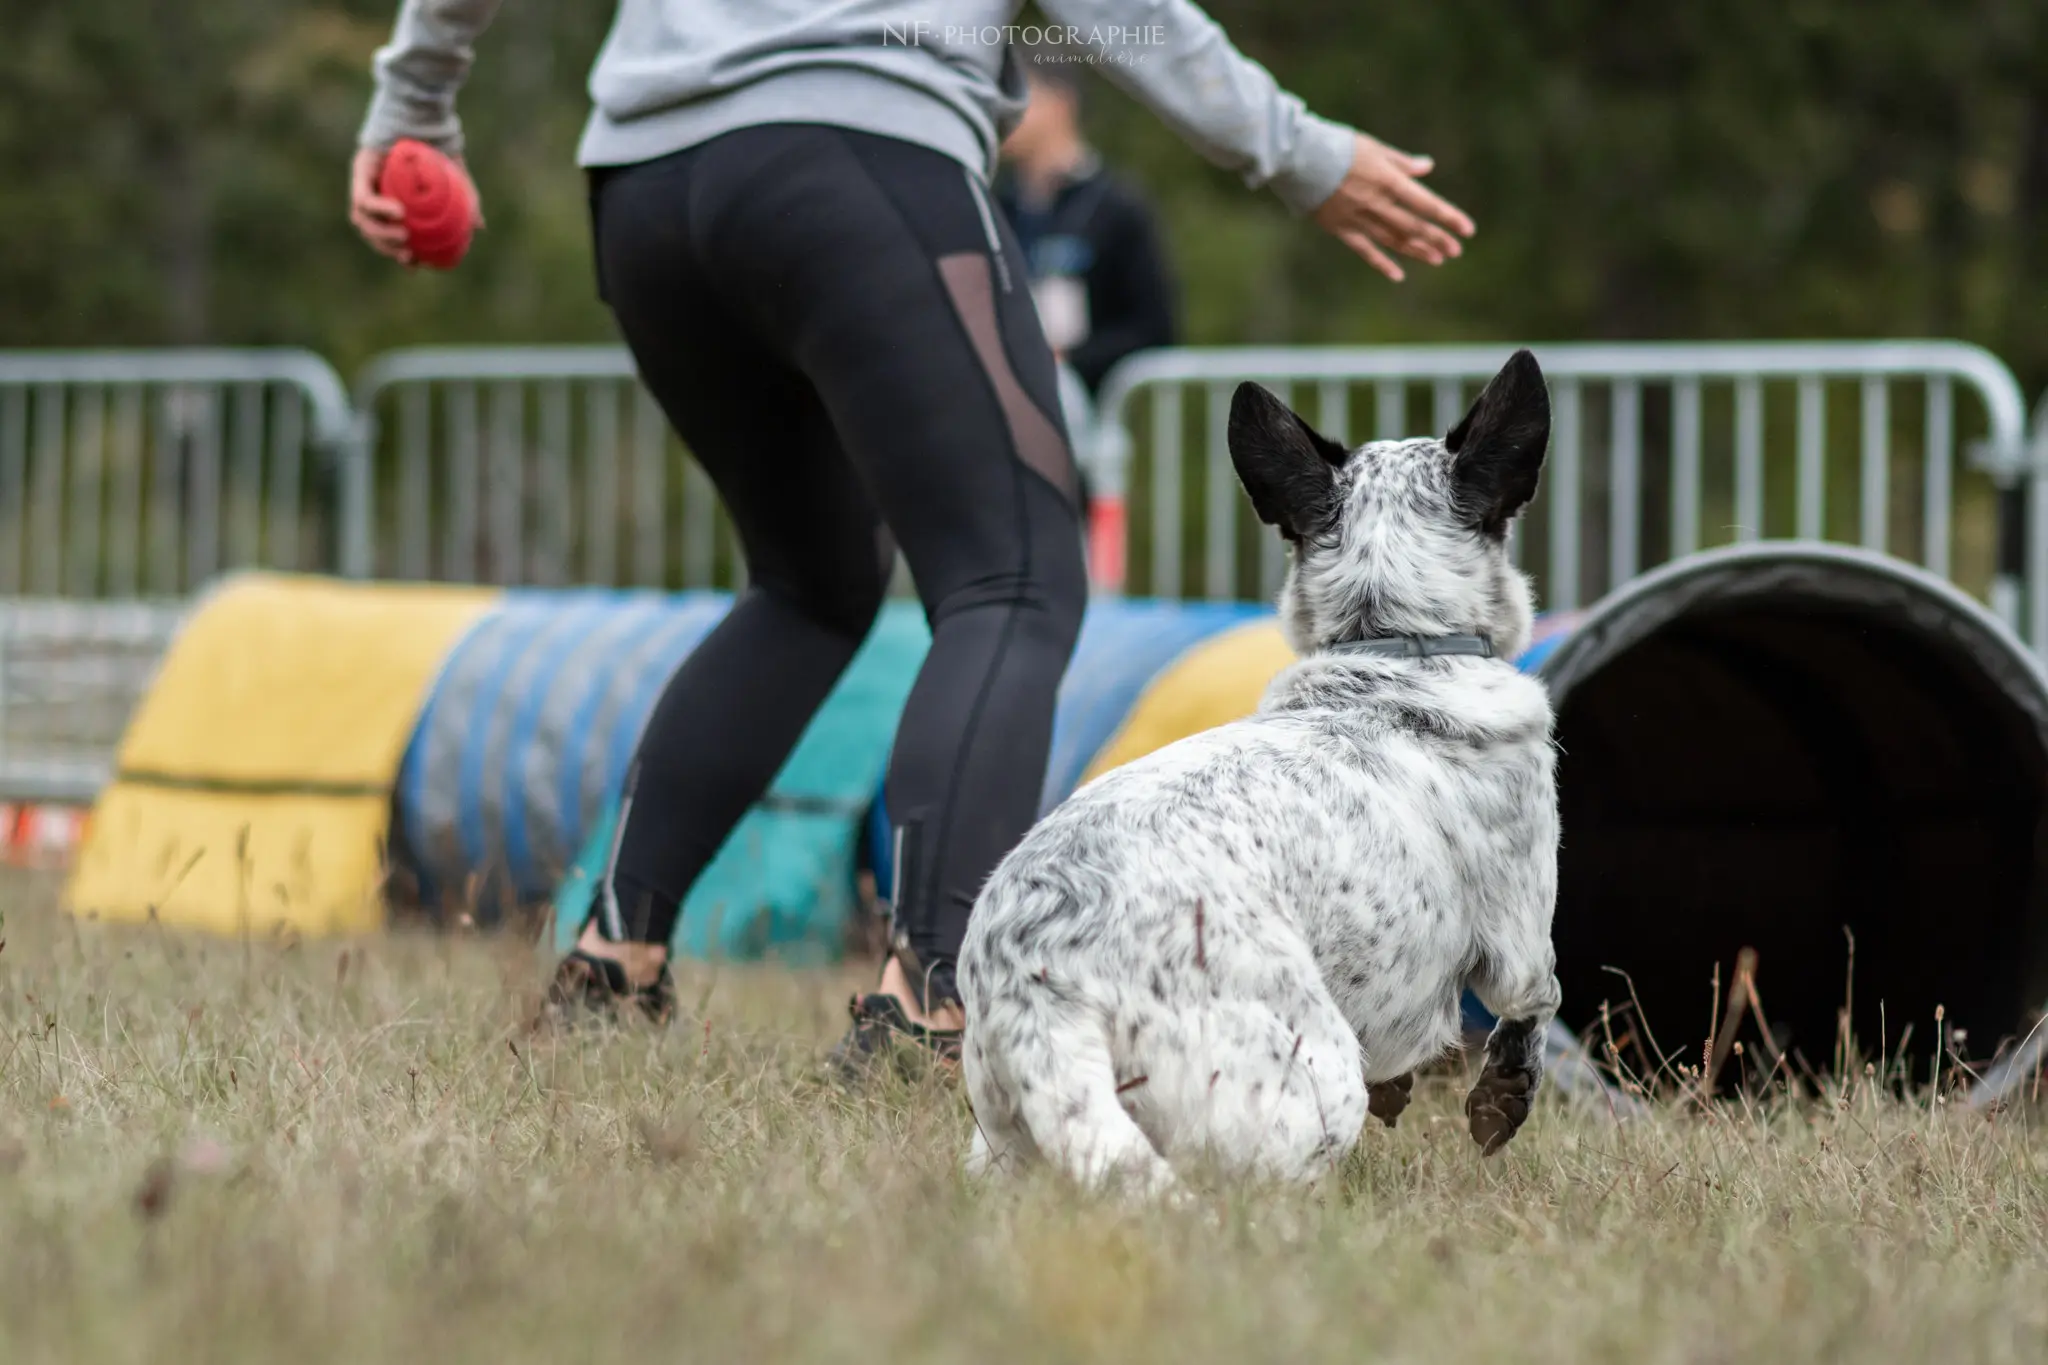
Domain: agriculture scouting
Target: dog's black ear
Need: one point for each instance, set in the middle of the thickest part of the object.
(1497, 451)
(1287, 467)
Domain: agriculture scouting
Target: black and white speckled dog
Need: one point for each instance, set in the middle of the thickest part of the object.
(1214, 951)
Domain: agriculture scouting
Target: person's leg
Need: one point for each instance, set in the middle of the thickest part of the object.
(817, 558)
(878, 270)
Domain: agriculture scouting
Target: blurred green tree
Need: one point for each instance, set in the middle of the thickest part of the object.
(174, 172)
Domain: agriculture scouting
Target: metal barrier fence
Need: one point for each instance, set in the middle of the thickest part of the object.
(138, 474)
(141, 474)
(1657, 450)
(541, 465)
(71, 673)
(133, 477)
(531, 465)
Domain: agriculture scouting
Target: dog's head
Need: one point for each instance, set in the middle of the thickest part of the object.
(1399, 537)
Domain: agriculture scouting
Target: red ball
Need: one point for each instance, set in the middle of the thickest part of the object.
(440, 207)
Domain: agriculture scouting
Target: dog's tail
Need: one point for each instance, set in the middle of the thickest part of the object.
(1062, 1087)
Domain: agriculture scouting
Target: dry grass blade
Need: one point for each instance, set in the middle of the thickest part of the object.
(1739, 992)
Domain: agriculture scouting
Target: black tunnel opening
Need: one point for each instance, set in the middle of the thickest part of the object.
(1762, 747)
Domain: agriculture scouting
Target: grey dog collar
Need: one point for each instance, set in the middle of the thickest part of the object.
(1417, 646)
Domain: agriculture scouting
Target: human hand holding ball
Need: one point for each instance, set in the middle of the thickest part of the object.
(413, 203)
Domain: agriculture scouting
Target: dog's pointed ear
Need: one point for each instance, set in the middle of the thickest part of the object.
(1497, 451)
(1287, 467)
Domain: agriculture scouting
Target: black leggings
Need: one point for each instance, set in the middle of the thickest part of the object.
(839, 326)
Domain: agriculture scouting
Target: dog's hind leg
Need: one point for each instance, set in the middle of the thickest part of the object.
(1000, 1145)
(1079, 1123)
(1060, 1083)
(1257, 1088)
(1385, 1100)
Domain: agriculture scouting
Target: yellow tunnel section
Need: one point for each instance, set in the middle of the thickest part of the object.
(252, 789)
(1216, 681)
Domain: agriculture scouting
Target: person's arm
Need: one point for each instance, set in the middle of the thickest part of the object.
(1182, 66)
(418, 73)
(1232, 111)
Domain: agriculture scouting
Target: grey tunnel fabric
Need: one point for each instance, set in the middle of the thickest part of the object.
(1778, 747)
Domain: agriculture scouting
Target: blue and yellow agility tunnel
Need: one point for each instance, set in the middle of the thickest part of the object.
(1762, 747)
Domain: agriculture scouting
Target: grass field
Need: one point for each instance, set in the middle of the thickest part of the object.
(300, 1153)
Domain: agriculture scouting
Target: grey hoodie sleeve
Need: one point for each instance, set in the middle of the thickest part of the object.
(419, 71)
(1180, 64)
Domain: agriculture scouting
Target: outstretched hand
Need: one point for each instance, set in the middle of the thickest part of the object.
(1382, 206)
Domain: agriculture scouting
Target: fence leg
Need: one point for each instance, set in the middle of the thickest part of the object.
(1108, 526)
(2011, 574)
(353, 553)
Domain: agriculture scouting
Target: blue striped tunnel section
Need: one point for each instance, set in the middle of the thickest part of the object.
(527, 731)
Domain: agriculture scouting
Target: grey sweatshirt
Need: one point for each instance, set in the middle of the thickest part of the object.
(674, 73)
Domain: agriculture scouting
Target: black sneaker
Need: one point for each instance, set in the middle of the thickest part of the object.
(585, 985)
(883, 1033)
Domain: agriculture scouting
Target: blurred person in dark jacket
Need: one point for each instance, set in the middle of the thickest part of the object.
(1098, 270)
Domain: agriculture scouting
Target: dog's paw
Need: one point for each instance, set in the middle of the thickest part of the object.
(1385, 1100)
(1498, 1106)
